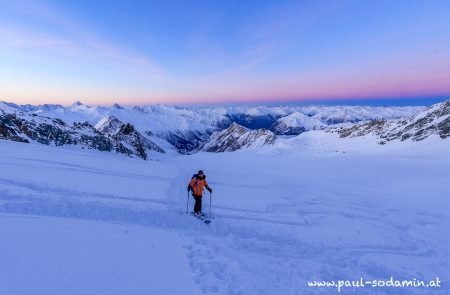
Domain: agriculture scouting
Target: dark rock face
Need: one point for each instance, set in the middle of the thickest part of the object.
(8, 130)
(186, 142)
(128, 136)
(237, 137)
(126, 129)
(375, 127)
(125, 140)
(42, 130)
(434, 120)
(444, 128)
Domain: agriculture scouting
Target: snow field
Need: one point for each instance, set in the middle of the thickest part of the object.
(87, 222)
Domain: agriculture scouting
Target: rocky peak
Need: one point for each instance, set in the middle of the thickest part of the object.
(238, 137)
(77, 103)
(295, 124)
(434, 120)
(109, 125)
(110, 134)
(236, 129)
(117, 106)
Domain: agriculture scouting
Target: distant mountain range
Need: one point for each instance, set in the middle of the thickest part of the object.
(142, 130)
(432, 121)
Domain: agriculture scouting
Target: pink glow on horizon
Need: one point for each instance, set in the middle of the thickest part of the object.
(54, 52)
(333, 83)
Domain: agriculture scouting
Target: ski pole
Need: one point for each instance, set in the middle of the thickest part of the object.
(210, 205)
(187, 204)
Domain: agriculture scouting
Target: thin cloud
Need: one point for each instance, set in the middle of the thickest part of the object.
(77, 40)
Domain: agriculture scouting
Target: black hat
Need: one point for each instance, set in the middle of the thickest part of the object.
(200, 172)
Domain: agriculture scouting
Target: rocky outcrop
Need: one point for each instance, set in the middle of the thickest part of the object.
(126, 139)
(8, 130)
(237, 137)
(115, 136)
(433, 121)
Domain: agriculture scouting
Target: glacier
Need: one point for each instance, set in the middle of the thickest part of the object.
(309, 207)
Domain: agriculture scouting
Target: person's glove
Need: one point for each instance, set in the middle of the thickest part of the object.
(209, 189)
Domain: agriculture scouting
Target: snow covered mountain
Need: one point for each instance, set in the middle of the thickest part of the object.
(176, 129)
(110, 135)
(432, 121)
(295, 124)
(237, 137)
(124, 136)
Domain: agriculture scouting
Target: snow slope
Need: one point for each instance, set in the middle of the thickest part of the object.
(307, 208)
(45, 255)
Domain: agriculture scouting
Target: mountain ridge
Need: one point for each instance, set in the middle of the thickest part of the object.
(140, 130)
(237, 137)
(432, 121)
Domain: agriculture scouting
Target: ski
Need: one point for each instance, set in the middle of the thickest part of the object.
(203, 218)
(197, 216)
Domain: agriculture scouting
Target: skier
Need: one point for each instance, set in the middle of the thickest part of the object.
(196, 185)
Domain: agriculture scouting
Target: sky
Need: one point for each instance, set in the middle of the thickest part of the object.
(143, 52)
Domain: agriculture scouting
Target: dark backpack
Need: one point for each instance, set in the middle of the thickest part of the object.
(195, 175)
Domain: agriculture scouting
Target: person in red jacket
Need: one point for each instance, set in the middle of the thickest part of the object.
(196, 185)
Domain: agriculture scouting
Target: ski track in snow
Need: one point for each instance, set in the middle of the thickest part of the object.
(298, 232)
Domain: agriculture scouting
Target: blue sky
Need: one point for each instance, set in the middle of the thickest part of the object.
(136, 52)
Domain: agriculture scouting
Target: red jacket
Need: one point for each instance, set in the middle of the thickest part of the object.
(197, 186)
